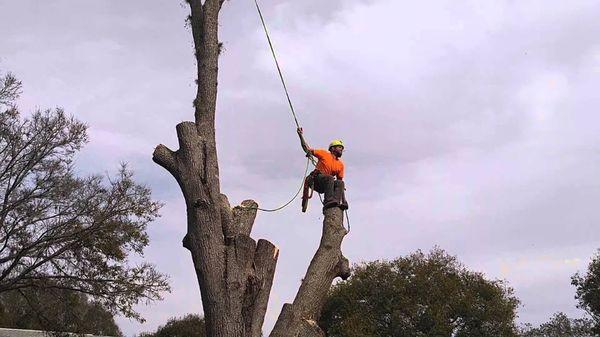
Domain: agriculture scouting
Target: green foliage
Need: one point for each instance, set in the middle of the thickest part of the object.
(190, 325)
(419, 295)
(560, 326)
(588, 291)
(62, 231)
(55, 310)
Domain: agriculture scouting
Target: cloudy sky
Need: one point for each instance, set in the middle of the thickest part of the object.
(469, 125)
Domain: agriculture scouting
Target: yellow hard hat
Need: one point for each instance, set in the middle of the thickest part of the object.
(336, 142)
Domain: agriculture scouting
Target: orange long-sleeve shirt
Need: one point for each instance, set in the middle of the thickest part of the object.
(328, 163)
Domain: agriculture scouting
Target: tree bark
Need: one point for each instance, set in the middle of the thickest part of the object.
(299, 318)
(235, 273)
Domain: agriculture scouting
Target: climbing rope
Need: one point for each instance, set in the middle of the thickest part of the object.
(262, 20)
(347, 220)
(289, 100)
(287, 95)
(295, 195)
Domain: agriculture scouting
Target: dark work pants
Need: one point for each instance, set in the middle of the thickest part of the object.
(332, 188)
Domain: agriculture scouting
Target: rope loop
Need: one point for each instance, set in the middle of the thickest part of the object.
(293, 198)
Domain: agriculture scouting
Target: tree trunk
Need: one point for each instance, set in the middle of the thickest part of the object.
(235, 273)
(299, 318)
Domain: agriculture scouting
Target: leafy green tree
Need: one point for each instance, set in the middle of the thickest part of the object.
(588, 291)
(560, 326)
(55, 310)
(62, 231)
(419, 295)
(190, 325)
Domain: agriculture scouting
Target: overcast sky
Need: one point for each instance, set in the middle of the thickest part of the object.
(469, 125)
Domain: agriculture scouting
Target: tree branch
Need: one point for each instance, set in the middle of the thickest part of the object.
(258, 289)
(310, 328)
(204, 22)
(196, 14)
(166, 158)
(244, 216)
(229, 231)
(190, 141)
(327, 264)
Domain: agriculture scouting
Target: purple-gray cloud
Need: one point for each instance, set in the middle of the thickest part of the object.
(469, 125)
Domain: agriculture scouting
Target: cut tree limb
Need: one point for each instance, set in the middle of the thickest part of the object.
(327, 264)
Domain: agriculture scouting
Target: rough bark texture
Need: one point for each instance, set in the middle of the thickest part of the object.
(234, 272)
(298, 318)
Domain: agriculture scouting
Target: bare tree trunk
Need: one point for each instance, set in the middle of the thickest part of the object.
(234, 272)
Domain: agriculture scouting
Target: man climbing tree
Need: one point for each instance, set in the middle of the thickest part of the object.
(234, 272)
(329, 174)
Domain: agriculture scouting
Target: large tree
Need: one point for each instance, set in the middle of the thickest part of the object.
(588, 291)
(59, 230)
(55, 310)
(560, 325)
(191, 325)
(235, 272)
(419, 295)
